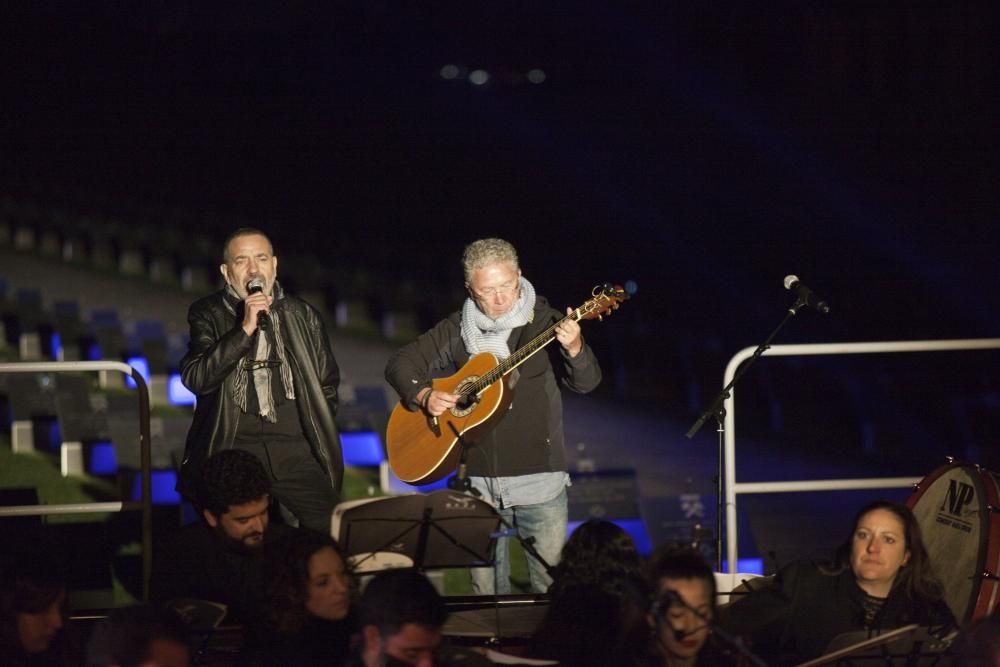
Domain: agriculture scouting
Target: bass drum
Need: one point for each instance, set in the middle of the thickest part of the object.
(958, 509)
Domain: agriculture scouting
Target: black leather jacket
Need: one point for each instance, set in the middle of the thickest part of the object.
(217, 345)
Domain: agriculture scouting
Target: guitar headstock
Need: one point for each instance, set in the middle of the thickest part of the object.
(606, 298)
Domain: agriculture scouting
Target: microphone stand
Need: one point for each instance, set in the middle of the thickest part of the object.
(732, 640)
(461, 482)
(717, 409)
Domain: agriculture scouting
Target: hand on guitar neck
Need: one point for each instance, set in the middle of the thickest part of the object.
(568, 334)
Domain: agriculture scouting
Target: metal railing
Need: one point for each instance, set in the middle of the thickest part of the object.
(144, 504)
(733, 488)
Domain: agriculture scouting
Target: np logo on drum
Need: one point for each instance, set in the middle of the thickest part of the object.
(954, 506)
(959, 495)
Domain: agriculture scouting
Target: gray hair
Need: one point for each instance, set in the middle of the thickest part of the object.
(487, 251)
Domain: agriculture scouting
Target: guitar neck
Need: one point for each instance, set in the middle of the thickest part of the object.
(520, 356)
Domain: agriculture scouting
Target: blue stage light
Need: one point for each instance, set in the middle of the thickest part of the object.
(393, 485)
(362, 448)
(746, 565)
(140, 364)
(177, 393)
(162, 483)
(102, 459)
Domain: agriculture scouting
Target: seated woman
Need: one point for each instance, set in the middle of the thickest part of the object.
(309, 621)
(683, 605)
(33, 610)
(598, 552)
(879, 579)
(597, 601)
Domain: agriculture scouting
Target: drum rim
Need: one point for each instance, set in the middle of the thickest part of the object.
(978, 603)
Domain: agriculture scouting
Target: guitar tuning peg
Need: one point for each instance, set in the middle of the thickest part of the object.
(600, 318)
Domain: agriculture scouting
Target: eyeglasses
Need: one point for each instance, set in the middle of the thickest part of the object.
(257, 364)
(507, 288)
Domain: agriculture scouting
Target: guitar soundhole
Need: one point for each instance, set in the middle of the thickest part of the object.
(467, 403)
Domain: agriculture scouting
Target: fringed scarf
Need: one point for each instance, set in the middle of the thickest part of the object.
(256, 361)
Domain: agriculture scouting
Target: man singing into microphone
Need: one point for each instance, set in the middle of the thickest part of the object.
(260, 363)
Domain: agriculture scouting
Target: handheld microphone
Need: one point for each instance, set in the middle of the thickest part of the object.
(254, 286)
(806, 295)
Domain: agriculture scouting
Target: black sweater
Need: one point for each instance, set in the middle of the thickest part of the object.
(802, 610)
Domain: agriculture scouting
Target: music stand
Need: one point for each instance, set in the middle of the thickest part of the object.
(441, 529)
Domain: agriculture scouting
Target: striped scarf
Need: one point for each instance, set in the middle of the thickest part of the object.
(480, 333)
(262, 371)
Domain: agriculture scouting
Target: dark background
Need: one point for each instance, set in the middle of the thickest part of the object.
(702, 150)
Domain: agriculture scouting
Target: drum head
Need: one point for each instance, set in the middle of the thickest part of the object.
(952, 507)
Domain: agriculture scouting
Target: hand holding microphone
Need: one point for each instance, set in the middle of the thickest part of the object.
(256, 307)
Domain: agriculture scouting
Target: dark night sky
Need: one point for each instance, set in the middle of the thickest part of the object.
(703, 150)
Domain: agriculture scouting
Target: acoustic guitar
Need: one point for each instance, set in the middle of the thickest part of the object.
(422, 448)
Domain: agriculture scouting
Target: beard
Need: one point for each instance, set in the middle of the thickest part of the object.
(241, 544)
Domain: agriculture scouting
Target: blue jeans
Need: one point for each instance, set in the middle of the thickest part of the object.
(546, 522)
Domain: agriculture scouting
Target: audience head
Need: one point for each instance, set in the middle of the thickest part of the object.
(311, 579)
(233, 496)
(885, 550)
(598, 599)
(600, 553)
(683, 584)
(32, 603)
(401, 615)
(584, 626)
(139, 636)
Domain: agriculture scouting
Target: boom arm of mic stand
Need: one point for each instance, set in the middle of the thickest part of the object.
(528, 544)
(717, 408)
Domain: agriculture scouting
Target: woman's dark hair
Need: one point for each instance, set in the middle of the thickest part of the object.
(288, 563)
(916, 579)
(598, 599)
(673, 561)
(588, 626)
(598, 553)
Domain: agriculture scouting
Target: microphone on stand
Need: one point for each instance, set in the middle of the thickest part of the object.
(806, 295)
(254, 286)
(659, 606)
(461, 481)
